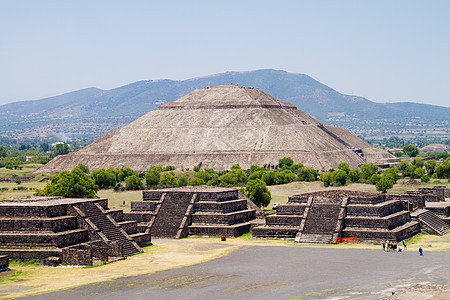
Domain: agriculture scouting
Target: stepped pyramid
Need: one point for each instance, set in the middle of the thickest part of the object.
(218, 127)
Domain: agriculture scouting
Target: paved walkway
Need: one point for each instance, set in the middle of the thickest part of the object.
(254, 272)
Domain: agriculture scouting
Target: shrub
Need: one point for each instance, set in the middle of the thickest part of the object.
(258, 193)
(73, 184)
(196, 181)
(167, 179)
(124, 173)
(374, 179)
(425, 179)
(353, 175)
(104, 178)
(285, 161)
(384, 184)
(182, 181)
(339, 177)
(152, 178)
(411, 150)
(133, 182)
(326, 178)
(344, 166)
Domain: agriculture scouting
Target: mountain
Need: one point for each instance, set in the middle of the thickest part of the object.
(91, 112)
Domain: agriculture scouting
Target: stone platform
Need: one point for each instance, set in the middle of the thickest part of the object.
(73, 231)
(204, 210)
(322, 217)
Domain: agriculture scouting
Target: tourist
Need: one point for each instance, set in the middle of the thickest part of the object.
(421, 251)
(382, 245)
(387, 246)
(404, 244)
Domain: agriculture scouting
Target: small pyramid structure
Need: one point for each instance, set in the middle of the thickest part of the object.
(220, 126)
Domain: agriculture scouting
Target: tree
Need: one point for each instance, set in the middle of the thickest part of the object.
(124, 173)
(73, 184)
(84, 168)
(384, 184)
(151, 178)
(411, 150)
(3, 152)
(353, 175)
(425, 178)
(392, 173)
(284, 176)
(443, 170)
(398, 154)
(167, 179)
(339, 177)
(104, 178)
(45, 147)
(234, 177)
(285, 161)
(182, 181)
(418, 163)
(195, 181)
(374, 179)
(268, 177)
(60, 149)
(169, 168)
(367, 170)
(344, 166)
(258, 193)
(419, 172)
(326, 178)
(133, 182)
(431, 166)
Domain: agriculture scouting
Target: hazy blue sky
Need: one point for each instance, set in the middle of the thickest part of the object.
(382, 50)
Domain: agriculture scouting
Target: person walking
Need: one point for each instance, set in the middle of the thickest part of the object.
(404, 244)
(382, 246)
(421, 251)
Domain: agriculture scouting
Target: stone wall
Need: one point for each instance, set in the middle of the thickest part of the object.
(56, 224)
(4, 263)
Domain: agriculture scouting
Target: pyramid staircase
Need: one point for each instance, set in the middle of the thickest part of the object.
(179, 212)
(431, 222)
(106, 227)
(323, 217)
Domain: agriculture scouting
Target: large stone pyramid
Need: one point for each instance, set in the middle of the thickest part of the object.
(217, 127)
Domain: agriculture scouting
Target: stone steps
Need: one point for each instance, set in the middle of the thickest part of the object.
(432, 221)
(234, 230)
(397, 234)
(275, 231)
(109, 228)
(223, 218)
(315, 238)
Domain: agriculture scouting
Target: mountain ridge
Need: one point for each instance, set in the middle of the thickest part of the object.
(91, 112)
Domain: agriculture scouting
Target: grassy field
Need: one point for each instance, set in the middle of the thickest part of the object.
(280, 193)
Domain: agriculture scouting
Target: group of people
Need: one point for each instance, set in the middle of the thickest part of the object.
(392, 246)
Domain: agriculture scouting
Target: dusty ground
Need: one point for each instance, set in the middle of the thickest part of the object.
(169, 254)
(259, 272)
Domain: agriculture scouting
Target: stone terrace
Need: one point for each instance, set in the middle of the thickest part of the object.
(61, 230)
(179, 212)
(327, 215)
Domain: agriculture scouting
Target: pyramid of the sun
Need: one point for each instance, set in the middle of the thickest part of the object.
(218, 127)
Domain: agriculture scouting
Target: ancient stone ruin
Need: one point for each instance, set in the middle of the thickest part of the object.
(60, 230)
(323, 217)
(204, 211)
(220, 126)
